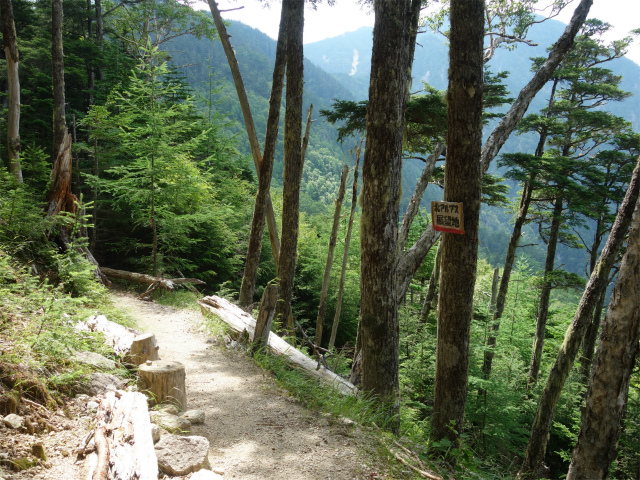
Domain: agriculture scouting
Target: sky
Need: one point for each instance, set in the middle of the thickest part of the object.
(347, 16)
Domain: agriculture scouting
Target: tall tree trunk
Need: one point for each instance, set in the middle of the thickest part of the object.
(59, 197)
(432, 290)
(543, 305)
(13, 83)
(266, 169)
(590, 338)
(248, 120)
(615, 359)
(463, 178)
(381, 177)
(509, 261)
(292, 161)
(322, 309)
(412, 258)
(582, 319)
(345, 255)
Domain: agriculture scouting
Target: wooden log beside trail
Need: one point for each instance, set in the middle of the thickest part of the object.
(165, 382)
(143, 348)
(239, 321)
(123, 439)
(153, 282)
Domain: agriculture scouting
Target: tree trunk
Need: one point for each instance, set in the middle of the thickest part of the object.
(292, 161)
(13, 87)
(265, 173)
(590, 338)
(582, 319)
(411, 260)
(381, 185)
(265, 317)
(345, 255)
(543, 305)
(416, 198)
(614, 361)
(322, 309)
(57, 63)
(248, 120)
(501, 300)
(432, 290)
(462, 184)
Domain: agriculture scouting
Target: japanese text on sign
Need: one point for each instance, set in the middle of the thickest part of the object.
(447, 217)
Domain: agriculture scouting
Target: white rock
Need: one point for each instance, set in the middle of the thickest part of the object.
(168, 408)
(94, 359)
(13, 421)
(206, 475)
(182, 455)
(196, 417)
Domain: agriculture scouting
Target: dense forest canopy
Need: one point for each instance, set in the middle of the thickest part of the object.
(162, 181)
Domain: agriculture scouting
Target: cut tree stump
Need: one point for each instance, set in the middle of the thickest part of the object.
(143, 348)
(265, 317)
(165, 381)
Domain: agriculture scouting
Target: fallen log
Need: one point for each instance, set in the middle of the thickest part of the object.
(240, 321)
(153, 282)
(123, 439)
(119, 337)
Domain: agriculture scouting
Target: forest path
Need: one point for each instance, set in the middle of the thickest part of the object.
(255, 430)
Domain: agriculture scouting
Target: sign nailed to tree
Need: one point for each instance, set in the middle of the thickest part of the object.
(447, 217)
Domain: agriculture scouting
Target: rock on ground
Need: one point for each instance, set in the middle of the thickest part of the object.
(182, 455)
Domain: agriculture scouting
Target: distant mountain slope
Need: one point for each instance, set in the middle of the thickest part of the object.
(255, 52)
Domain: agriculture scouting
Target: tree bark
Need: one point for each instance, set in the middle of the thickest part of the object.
(322, 309)
(582, 319)
(410, 261)
(432, 290)
(265, 173)
(292, 161)
(345, 255)
(248, 121)
(13, 88)
(463, 178)
(612, 367)
(265, 317)
(543, 306)
(590, 338)
(509, 261)
(381, 178)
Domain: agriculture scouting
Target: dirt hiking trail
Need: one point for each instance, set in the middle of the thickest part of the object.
(255, 429)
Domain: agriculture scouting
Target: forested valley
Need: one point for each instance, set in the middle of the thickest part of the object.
(125, 146)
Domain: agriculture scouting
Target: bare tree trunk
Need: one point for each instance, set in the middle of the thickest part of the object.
(543, 305)
(463, 177)
(590, 338)
(414, 203)
(265, 317)
(322, 309)
(292, 161)
(432, 290)
(412, 258)
(612, 367)
(509, 261)
(345, 255)
(582, 319)
(266, 169)
(248, 121)
(13, 83)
